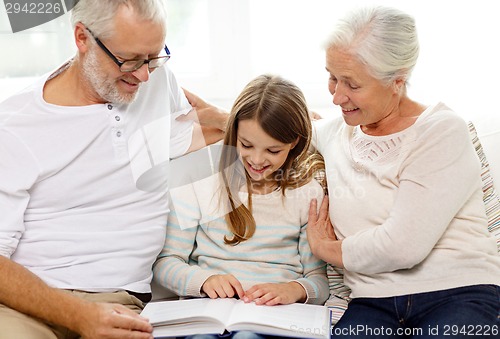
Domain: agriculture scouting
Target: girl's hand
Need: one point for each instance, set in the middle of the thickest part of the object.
(276, 294)
(222, 286)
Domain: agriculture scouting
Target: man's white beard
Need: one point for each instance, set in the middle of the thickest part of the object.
(105, 87)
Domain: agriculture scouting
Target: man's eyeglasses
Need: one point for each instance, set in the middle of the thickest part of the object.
(133, 65)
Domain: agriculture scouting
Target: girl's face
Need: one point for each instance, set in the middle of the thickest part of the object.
(262, 155)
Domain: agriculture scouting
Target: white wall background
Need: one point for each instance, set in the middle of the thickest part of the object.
(219, 45)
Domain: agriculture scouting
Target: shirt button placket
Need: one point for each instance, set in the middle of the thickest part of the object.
(116, 123)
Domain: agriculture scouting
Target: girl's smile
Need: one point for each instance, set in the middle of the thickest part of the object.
(262, 155)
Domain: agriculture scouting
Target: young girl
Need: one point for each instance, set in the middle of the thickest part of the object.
(241, 232)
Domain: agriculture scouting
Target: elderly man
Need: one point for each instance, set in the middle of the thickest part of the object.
(79, 230)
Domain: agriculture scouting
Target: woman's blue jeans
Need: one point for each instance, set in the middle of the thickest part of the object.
(471, 311)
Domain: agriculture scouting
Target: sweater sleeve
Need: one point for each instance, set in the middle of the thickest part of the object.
(173, 269)
(438, 176)
(191, 193)
(314, 279)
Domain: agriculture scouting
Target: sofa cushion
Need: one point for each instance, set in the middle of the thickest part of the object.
(490, 196)
(488, 131)
(339, 293)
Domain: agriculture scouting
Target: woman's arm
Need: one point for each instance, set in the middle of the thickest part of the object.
(438, 179)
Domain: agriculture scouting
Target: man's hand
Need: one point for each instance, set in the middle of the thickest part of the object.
(110, 321)
(205, 114)
(209, 122)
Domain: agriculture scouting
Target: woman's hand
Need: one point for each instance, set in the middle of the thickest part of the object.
(276, 294)
(321, 236)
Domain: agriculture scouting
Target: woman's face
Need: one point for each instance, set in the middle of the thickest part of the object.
(363, 99)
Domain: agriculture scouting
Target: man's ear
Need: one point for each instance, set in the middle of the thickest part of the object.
(81, 38)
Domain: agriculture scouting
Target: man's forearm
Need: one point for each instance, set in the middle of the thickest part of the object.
(23, 291)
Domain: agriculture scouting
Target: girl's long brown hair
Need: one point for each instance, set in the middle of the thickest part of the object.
(280, 108)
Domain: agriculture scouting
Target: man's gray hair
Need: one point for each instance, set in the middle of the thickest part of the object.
(98, 15)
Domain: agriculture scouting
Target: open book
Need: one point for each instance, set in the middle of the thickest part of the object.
(204, 315)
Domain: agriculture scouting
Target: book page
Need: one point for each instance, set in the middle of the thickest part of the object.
(200, 310)
(294, 320)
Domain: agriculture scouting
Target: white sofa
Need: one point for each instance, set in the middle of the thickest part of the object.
(488, 131)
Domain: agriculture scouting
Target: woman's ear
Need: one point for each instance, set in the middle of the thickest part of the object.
(295, 143)
(399, 84)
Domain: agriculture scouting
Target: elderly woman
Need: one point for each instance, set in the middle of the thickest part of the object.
(405, 197)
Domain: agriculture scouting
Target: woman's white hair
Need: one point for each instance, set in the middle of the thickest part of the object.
(382, 38)
(98, 15)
